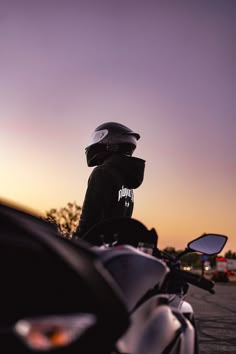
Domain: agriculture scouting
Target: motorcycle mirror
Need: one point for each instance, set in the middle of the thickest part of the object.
(209, 244)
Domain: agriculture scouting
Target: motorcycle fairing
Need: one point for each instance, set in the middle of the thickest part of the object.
(157, 329)
(135, 272)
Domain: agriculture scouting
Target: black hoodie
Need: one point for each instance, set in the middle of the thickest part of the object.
(110, 190)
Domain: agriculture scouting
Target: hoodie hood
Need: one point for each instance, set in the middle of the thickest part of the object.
(131, 167)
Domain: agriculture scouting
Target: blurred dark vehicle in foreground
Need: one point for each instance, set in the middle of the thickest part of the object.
(55, 294)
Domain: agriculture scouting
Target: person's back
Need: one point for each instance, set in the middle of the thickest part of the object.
(110, 186)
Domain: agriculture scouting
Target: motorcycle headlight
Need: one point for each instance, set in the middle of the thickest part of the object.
(47, 333)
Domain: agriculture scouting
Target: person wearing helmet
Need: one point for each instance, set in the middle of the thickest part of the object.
(116, 173)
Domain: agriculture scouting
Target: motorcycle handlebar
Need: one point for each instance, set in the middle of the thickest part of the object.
(196, 280)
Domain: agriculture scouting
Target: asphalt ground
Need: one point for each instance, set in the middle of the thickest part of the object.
(215, 316)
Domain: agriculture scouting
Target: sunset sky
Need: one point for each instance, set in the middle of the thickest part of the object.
(166, 69)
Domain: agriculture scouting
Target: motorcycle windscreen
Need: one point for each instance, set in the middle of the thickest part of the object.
(121, 231)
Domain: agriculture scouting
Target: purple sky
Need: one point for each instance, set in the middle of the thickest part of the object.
(164, 68)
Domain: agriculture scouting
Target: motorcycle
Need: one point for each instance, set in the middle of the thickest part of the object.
(113, 292)
(153, 284)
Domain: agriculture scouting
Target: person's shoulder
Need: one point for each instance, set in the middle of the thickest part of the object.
(99, 172)
(103, 172)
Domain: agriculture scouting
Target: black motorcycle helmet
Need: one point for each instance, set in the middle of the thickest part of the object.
(108, 138)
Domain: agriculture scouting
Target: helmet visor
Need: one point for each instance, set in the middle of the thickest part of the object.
(97, 136)
(103, 137)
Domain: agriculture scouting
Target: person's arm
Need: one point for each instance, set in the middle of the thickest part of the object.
(96, 201)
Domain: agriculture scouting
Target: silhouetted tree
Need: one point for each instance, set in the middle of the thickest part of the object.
(66, 218)
(170, 250)
(230, 255)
